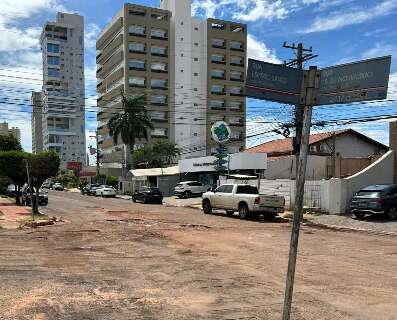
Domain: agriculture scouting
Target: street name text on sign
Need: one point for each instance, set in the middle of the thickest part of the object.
(359, 81)
(269, 81)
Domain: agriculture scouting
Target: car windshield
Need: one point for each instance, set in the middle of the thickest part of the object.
(247, 189)
(368, 194)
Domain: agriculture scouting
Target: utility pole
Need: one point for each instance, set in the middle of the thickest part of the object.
(302, 55)
(311, 83)
(97, 154)
(30, 188)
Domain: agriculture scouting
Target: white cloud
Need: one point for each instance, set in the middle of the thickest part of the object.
(380, 49)
(259, 51)
(263, 9)
(90, 35)
(345, 18)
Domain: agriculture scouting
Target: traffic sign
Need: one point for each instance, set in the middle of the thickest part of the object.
(359, 81)
(274, 82)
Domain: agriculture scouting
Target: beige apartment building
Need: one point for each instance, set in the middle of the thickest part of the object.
(5, 130)
(191, 72)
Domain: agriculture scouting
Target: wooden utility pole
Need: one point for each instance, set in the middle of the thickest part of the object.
(311, 83)
(302, 55)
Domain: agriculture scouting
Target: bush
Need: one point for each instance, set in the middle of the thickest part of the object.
(112, 181)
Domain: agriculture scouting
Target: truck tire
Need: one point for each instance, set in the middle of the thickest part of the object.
(243, 211)
(392, 213)
(207, 208)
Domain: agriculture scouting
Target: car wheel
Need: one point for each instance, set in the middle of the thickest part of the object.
(392, 213)
(133, 199)
(207, 208)
(187, 194)
(359, 215)
(243, 211)
(102, 195)
(229, 213)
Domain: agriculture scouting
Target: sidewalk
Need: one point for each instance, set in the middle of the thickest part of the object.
(12, 215)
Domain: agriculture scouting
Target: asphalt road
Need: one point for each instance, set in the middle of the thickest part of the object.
(113, 259)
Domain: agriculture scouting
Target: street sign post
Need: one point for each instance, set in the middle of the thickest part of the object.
(268, 81)
(359, 81)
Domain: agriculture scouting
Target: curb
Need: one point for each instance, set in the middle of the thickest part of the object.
(349, 229)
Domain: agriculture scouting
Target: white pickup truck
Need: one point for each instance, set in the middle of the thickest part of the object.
(242, 198)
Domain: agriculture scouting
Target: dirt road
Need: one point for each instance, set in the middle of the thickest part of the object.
(117, 260)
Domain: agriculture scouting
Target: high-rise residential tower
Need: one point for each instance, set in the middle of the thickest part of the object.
(191, 71)
(37, 122)
(63, 97)
(5, 130)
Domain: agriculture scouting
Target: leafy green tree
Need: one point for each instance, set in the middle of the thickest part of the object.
(159, 154)
(112, 181)
(131, 124)
(12, 165)
(9, 143)
(68, 179)
(42, 166)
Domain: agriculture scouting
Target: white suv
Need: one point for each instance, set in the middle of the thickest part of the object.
(187, 189)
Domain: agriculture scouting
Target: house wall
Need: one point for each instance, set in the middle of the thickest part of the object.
(351, 146)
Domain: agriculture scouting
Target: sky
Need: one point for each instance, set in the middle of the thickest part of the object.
(339, 31)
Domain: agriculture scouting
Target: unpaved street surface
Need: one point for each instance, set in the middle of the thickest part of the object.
(113, 259)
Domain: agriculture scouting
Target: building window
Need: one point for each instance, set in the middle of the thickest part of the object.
(195, 104)
(158, 83)
(158, 51)
(236, 76)
(158, 115)
(136, 82)
(218, 74)
(53, 60)
(196, 43)
(53, 72)
(218, 43)
(195, 59)
(181, 23)
(237, 61)
(236, 91)
(218, 58)
(137, 47)
(195, 89)
(195, 74)
(137, 12)
(236, 29)
(217, 89)
(158, 34)
(219, 26)
(134, 64)
(159, 16)
(54, 48)
(196, 29)
(158, 67)
(236, 45)
(181, 70)
(137, 30)
(159, 132)
(236, 105)
(158, 100)
(218, 104)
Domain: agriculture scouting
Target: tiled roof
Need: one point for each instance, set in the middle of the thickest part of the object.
(281, 147)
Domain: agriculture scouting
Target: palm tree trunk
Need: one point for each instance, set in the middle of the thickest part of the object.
(128, 157)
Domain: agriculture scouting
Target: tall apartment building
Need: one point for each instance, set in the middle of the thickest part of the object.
(63, 98)
(191, 71)
(37, 122)
(5, 130)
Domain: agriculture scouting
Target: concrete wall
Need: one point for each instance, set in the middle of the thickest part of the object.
(284, 168)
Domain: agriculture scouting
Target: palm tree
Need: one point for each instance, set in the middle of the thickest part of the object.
(131, 124)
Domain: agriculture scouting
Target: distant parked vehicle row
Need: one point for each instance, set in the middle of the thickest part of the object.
(375, 200)
(26, 198)
(105, 191)
(188, 189)
(57, 186)
(90, 189)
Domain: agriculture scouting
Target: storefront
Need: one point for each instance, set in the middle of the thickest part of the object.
(203, 170)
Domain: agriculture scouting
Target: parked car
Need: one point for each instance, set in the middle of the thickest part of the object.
(26, 198)
(376, 199)
(105, 191)
(11, 192)
(187, 189)
(57, 186)
(242, 198)
(46, 185)
(90, 189)
(148, 195)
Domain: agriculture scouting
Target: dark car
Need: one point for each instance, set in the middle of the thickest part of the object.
(13, 191)
(27, 200)
(378, 199)
(148, 195)
(90, 189)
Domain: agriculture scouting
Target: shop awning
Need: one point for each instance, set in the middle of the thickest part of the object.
(153, 172)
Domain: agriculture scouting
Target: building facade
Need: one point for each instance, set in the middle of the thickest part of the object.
(63, 97)
(6, 130)
(191, 72)
(37, 122)
(393, 145)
